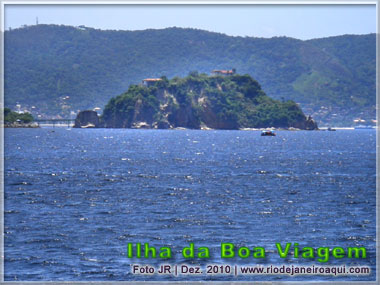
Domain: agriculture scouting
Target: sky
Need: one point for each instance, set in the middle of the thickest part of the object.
(297, 21)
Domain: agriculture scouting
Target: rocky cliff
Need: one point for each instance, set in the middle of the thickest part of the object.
(87, 119)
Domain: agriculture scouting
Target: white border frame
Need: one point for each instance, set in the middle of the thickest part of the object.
(184, 2)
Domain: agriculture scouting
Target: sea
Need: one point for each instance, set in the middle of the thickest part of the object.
(75, 198)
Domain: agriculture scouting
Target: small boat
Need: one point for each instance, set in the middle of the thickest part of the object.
(331, 130)
(268, 133)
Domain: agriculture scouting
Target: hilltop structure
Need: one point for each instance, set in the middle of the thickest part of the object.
(224, 72)
(150, 81)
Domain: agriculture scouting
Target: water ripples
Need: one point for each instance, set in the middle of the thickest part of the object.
(73, 200)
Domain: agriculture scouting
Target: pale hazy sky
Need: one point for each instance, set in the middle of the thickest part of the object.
(297, 21)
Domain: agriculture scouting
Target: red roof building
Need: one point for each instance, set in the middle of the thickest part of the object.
(223, 72)
(150, 81)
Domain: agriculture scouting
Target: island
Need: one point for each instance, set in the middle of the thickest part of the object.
(14, 119)
(222, 100)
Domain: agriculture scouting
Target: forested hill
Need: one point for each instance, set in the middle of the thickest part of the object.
(59, 69)
(202, 101)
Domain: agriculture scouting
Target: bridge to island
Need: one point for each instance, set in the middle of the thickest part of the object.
(55, 122)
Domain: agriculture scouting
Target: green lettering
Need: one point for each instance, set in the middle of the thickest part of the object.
(356, 251)
(165, 252)
(188, 252)
(204, 252)
(130, 250)
(227, 250)
(149, 249)
(243, 252)
(323, 252)
(138, 250)
(282, 253)
(338, 252)
(296, 250)
(259, 252)
(308, 252)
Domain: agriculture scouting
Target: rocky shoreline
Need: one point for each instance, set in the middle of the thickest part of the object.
(90, 119)
(21, 125)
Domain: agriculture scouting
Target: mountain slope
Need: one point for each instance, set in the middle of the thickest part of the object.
(46, 63)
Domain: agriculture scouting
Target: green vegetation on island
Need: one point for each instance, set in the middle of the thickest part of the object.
(202, 101)
(14, 119)
(55, 70)
(11, 117)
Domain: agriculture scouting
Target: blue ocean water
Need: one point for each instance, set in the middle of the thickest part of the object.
(75, 198)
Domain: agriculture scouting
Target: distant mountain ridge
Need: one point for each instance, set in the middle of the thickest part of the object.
(58, 69)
